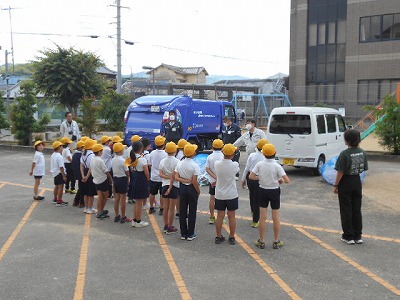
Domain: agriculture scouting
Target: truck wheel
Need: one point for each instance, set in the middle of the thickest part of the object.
(320, 163)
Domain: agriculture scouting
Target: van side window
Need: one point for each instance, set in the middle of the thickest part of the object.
(321, 124)
(330, 121)
(341, 123)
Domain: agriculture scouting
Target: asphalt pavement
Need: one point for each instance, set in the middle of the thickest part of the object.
(49, 252)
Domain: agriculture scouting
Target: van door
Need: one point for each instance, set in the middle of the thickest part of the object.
(336, 128)
(341, 125)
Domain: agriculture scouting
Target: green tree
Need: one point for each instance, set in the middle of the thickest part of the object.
(388, 130)
(112, 109)
(89, 123)
(22, 111)
(68, 76)
(3, 114)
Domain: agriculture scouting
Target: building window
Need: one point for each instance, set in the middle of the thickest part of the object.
(372, 92)
(326, 41)
(380, 28)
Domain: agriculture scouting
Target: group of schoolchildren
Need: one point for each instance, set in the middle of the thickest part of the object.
(106, 169)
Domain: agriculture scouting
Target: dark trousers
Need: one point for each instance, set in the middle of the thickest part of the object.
(79, 195)
(70, 176)
(254, 186)
(350, 194)
(188, 199)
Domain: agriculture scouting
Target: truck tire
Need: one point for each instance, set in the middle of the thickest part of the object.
(320, 163)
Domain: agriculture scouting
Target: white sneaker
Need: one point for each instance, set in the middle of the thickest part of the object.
(348, 242)
(85, 210)
(146, 206)
(89, 211)
(359, 241)
(94, 211)
(133, 223)
(141, 224)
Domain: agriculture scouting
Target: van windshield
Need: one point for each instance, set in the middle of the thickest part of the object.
(290, 124)
(145, 122)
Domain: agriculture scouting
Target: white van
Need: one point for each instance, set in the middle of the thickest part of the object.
(306, 136)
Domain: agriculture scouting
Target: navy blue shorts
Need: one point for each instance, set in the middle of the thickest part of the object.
(38, 177)
(104, 186)
(58, 180)
(121, 185)
(211, 190)
(173, 194)
(229, 205)
(155, 187)
(272, 196)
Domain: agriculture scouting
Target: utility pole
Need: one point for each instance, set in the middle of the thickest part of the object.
(119, 64)
(7, 87)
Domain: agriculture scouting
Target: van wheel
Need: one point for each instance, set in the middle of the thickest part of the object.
(320, 163)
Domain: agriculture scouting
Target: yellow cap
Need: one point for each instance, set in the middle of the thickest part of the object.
(261, 143)
(135, 138)
(268, 150)
(159, 140)
(170, 147)
(189, 150)
(118, 147)
(84, 138)
(129, 163)
(80, 144)
(116, 139)
(89, 144)
(229, 150)
(217, 144)
(104, 139)
(37, 143)
(182, 143)
(97, 148)
(66, 140)
(56, 144)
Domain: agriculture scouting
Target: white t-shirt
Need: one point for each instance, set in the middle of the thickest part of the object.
(146, 155)
(118, 166)
(87, 159)
(187, 168)
(65, 154)
(211, 160)
(56, 162)
(252, 160)
(269, 171)
(106, 157)
(179, 155)
(226, 170)
(127, 153)
(40, 164)
(168, 165)
(141, 163)
(155, 157)
(98, 169)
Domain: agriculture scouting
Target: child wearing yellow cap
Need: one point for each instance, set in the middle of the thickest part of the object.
(215, 156)
(186, 172)
(59, 173)
(88, 187)
(76, 164)
(270, 175)
(67, 156)
(38, 168)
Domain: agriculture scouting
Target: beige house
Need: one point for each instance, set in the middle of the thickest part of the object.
(174, 74)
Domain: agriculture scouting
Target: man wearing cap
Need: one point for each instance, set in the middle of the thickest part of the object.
(155, 180)
(172, 129)
(251, 137)
(230, 134)
(69, 128)
(226, 194)
(186, 172)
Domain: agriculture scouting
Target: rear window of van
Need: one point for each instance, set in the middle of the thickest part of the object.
(290, 124)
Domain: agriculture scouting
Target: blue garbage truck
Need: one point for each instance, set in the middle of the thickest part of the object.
(201, 119)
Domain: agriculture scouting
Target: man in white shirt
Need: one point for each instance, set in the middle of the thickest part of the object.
(226, 194)
(69, 128)
(251, 137)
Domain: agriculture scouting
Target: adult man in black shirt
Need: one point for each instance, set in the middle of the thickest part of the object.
(172, 129)
(230, 133)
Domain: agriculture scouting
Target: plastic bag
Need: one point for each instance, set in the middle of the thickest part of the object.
(201, 159)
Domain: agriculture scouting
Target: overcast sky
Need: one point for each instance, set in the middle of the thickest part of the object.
(228, 37)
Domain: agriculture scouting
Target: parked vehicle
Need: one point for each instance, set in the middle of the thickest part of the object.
(201, 119)
(306, 136)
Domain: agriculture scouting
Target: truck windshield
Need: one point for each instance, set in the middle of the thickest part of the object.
(290, 124)
(145, 122)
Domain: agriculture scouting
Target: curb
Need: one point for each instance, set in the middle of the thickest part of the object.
(373, 156)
